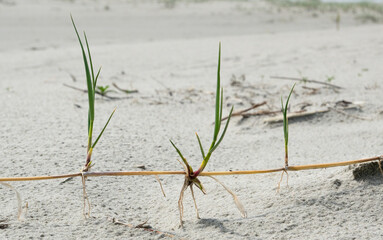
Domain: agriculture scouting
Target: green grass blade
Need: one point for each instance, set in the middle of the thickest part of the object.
(90, 61)
(88, 121)
(217, 99)
(88, 78)
(285, 119)
(200, 146)
(288, 98)
(285, 130)
(224, 130)
(90, 130)
(220, 109)
(179, 153)
(98, 74)
(98, 138)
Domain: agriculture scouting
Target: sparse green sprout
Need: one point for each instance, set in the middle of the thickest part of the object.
(286, 126)
(103, 90)
(330, 78)
(91, 81)
(304, 79)
(191, 176)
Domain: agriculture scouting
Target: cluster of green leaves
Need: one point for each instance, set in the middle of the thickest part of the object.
(91, 81)
(217, 127)
(103, 90)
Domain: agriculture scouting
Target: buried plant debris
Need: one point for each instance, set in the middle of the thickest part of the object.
(368, 170)
(3, 225)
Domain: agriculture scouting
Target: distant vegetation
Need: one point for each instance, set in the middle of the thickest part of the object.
(331, 6)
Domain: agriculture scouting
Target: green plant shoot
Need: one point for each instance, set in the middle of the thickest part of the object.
(91, 81)
(103, 90)
(286, 126)
(217, 126)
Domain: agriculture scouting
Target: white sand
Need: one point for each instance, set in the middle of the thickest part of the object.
(157, 50)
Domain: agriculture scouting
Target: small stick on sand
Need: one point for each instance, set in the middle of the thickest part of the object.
(124, 90)
(85, 91)
(295, 115)
(349, 115)
(259, 113)
(307, 80)
(142, 226)
(240, 113)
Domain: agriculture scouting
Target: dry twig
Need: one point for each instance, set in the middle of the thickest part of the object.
(240, 113)
(85, 91)
(307, 80)
(124, 90)
(293, 115)
(142, 226)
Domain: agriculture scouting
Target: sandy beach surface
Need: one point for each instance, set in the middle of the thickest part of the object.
(168, 50)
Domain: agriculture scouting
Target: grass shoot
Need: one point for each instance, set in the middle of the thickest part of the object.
(286, 136)
(286, 126)
(191, 177)
(91, 81)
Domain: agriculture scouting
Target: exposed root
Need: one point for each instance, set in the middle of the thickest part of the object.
(181, 199)
(159, 181)
(195, 202)
(235, 198)
(19, 209)
(85, 197)
(280, 181)
(26, 209)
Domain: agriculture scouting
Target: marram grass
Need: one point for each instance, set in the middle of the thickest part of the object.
(286, 126)
(91, 82)
(189, 175)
